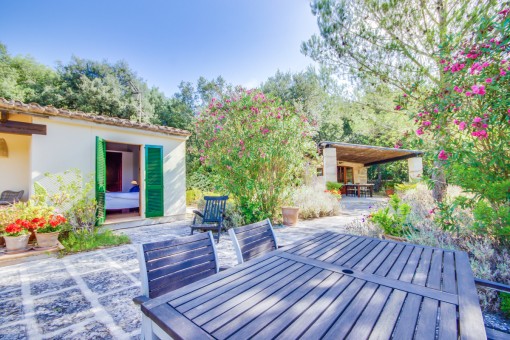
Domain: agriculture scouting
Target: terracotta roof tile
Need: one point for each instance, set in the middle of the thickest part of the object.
(34, 108)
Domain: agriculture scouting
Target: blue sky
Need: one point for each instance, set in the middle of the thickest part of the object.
(166, 41)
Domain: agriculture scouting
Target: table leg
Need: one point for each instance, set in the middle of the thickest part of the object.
(359, 195)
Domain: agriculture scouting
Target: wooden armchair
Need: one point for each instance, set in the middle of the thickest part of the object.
(9, 197)
(172, 264)
(253, 240)
(211, 219)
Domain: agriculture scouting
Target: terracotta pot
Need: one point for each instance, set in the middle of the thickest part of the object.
(16, 243)
(290, 216)
(390, 191)
(47, 240)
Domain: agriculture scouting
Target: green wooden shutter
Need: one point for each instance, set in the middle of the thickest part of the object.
(100, 180)
(154, 181)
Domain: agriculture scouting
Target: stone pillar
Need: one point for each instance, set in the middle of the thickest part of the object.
(415, 166)
(330, 169)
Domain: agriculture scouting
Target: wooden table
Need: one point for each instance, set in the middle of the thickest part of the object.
(359, 186)
(329, 286)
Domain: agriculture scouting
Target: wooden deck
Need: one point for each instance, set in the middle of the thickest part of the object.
(330, 286)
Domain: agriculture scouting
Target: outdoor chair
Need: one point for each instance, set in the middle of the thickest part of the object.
(211, 219)
(363, 191)
(253, 240)
(352, 191)
(10, 197)
(172, 264)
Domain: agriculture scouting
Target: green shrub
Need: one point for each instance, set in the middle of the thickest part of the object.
(393, 223)
(334, 186)
(405, 186)
(193, 195)
(85, 240)
(256, 148)
(505, 303)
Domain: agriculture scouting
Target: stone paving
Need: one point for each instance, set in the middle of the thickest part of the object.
(88, 295)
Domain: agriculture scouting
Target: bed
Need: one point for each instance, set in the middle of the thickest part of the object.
(122, 200)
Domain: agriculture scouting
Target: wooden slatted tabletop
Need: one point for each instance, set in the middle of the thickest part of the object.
(330, 286)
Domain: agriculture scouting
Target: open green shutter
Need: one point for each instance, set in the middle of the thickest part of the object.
(154, 181)
(100, 180)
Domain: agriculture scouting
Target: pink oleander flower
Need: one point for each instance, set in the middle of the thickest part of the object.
(436, 110)
(457, 89)
(426, 123)
(468, 93)
(462, 126)
(398, 107)
(477, 120)
(442, 155)
(456, 121)
(502, 72)
(478, 89)
(488, 80)
(419, 132)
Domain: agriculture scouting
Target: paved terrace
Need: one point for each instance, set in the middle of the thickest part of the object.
(88, 295)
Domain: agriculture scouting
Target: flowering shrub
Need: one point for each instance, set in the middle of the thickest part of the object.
(255, 147)
(469, 119)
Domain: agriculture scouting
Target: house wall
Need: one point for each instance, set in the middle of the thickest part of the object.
(72, 144)
(15, 169)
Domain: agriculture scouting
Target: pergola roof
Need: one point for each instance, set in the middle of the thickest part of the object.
(368, 154)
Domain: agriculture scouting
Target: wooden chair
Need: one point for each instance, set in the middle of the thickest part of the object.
(172, 264)
(212, 216)
(10, 197)
(253, 240)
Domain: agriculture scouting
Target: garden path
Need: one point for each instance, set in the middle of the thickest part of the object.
(88, 295)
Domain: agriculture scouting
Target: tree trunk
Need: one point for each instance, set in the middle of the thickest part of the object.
(378, 181)
(439, 180)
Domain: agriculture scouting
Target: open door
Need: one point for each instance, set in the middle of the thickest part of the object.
(154, 181)
(100, 180)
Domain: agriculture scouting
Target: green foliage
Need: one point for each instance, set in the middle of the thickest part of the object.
(255, 147)
(505, 303)
(405, 186)
(394, 222)
(86, 240)
(334, 186)
(468, 118)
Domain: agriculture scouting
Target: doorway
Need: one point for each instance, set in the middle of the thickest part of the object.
(123, 180)
(345, 175)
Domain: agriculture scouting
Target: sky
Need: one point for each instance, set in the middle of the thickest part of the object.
(166, 42)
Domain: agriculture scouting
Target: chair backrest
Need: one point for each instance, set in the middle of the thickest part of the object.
(214, 208)
(253, 240)
(172, 264)
(11, 196)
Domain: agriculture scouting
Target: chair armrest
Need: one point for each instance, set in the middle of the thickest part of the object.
(140, 299)
(199, 213)
(493, 285)
(283, 246)
(224, 268)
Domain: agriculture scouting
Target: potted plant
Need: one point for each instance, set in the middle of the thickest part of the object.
(47, 230)
(389, 188)
(16, 236)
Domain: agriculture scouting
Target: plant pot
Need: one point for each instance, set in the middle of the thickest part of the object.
(290, 216)
(390, 192)
(16, 243)
(47, 240)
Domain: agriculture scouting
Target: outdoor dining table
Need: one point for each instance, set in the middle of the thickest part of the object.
(330, 286)
(358, 187)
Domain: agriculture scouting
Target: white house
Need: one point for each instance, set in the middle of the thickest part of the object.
(124, 157)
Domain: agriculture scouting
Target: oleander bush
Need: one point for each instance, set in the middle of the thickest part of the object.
(256, 148)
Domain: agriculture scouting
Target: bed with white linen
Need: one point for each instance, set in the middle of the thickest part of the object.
(122, 200)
